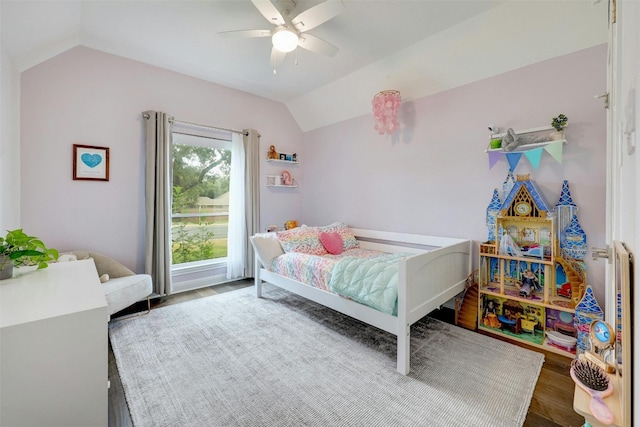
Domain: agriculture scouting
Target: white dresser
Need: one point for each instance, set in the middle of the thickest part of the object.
(53, 348)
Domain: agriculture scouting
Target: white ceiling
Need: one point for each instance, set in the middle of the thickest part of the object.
(379, 41)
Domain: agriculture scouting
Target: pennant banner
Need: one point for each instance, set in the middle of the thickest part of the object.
(494, 156)
(513, 159)
(534, 155)
(555, 149)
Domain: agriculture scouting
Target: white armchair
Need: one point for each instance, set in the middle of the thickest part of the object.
(123, 287)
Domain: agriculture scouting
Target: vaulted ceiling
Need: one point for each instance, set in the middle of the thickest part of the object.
(417, 46)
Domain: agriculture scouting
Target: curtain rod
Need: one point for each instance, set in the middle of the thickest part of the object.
(208, 137)
(146, 116)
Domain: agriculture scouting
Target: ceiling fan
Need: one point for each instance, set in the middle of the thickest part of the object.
(290, 32)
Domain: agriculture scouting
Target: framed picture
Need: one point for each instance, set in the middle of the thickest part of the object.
(545, 236)
(283, 156)
(528, 234)
(90, 163)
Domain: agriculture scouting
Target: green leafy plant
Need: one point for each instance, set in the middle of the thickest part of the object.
(559, 122)
(196, 244)
(22, 249)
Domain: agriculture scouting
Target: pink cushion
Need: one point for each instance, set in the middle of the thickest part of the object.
(349, 241)
(332, 242)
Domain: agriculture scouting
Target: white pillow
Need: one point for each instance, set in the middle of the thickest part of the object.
(267, 247)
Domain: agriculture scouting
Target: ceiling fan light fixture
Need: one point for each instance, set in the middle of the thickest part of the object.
(284, 39)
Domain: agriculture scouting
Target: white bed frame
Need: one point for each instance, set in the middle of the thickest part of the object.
(434, 275)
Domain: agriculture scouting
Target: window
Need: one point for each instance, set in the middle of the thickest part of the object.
(201, 167)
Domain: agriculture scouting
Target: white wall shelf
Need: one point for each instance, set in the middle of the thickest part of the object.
(525, 147)
(288, 162)
(279, 180)
(283, 186)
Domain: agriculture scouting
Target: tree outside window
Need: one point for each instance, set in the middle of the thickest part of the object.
(200, 201)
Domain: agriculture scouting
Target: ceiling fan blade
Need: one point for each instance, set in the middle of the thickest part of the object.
(245, 34)
(316, 44)
(317, 15)
(277, 57)
(269, 11)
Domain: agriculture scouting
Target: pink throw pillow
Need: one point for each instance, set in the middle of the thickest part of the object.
(332, 242)
(349, 241)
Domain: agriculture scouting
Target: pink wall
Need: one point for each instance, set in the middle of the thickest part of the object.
(84, 96)
(433, 177)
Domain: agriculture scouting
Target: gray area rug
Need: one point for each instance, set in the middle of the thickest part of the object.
(237, 360)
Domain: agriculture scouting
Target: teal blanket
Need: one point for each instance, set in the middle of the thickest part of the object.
(373, 282)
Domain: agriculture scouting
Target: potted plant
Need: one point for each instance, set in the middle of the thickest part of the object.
(559, 123)
(19, 249)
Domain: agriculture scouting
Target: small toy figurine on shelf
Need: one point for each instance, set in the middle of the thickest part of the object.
(272, 153)
(529, 284)
(290, 224)
(286, 178)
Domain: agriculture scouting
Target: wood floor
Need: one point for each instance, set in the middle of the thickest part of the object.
(551, 405)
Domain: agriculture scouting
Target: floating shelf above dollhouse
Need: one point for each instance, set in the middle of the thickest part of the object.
(543, 132)
(527, 147)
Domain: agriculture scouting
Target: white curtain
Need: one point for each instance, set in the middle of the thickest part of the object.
(237, 234)
(252, 192)
(158, 142)
(244, 203)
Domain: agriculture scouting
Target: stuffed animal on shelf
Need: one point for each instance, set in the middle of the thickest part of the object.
(273, 154)
(290, 224)
(511, 141)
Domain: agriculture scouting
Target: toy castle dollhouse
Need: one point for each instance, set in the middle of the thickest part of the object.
(531, 273)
